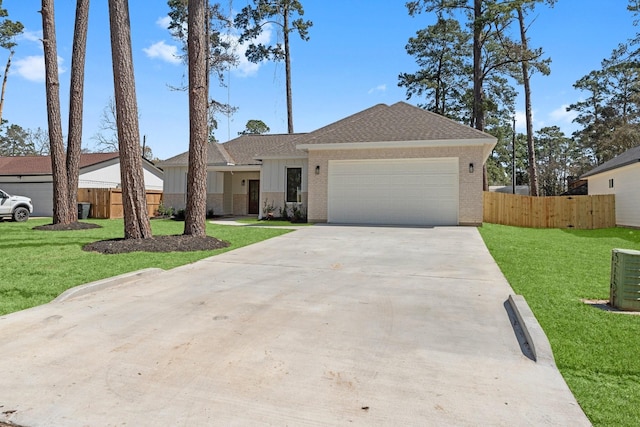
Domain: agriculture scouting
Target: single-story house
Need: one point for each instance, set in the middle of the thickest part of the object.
(395, 164)
(31, 176)
(620, 176)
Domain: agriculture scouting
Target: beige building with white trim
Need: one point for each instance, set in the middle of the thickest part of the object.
(392, 165)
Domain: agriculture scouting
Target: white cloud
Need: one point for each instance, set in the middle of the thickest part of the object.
(32, 68)
(32, 36)
(164, 52)
(163, 22)
(562, 116)
(245, 68)
(521, 121)
(379, 88)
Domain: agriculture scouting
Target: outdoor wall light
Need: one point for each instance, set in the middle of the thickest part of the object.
(318, 170)
(242, 183)
(470, 167)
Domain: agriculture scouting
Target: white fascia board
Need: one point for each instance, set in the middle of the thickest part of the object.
(234, 168)
(490, 142)
(275, 157)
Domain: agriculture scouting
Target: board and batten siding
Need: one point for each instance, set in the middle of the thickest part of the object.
(176, 181)
(273, 174)
(273, 181)
(626, 189)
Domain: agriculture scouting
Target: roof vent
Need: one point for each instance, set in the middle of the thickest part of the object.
(625, 279)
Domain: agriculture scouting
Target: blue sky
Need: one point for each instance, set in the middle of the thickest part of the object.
(351, 62)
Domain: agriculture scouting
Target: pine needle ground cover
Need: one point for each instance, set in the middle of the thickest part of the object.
(37, 266)
(597, 351)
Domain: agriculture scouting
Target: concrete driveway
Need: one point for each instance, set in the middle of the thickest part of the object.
(326, 325)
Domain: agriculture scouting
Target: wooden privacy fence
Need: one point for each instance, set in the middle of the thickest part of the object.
(107, 202)
(583, 212)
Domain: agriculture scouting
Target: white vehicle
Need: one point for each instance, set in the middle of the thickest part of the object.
(17, 207)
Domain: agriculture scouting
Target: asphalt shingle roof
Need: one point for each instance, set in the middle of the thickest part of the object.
(628, 157)
(214, 157)
(398, 122)
(380, 123)
(247, 148)
(41, 165)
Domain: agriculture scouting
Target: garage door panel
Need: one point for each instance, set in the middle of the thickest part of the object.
(403, 191)
(40, 193)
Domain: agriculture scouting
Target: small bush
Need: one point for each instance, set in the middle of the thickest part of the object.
(164, 211)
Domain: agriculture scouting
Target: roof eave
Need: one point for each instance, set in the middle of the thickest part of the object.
(487, 142)
(595, 172)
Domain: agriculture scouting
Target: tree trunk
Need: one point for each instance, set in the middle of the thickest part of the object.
(478, 78)
(134, 201)
(4, 81)
(76, 100)
(287, 68)
(195, 213)
(533, 174)
(61, 214)
(478, 94)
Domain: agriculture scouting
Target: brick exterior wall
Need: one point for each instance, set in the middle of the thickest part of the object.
(175, 201)
(240, 204)
(470, 184)
(277, 201)
(215, 202)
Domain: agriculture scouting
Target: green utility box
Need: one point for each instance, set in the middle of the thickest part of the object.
(625, 279)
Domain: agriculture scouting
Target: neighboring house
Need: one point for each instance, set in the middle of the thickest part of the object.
(620, 176)
(31, 176)
(395, 164)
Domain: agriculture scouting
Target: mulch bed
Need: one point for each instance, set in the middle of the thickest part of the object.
(172, 243)
(67, 227)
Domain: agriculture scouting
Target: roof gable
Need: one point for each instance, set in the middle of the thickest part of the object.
(400, 122)
(627, 158)
(41, 165)
(395, 123)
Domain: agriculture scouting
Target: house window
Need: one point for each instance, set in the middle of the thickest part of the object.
(611, 183)
(294, 185)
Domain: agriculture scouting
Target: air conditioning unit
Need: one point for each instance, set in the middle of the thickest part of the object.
(625, 279)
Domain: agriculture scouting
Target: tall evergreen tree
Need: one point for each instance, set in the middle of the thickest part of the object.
(76, 103)
(610, 113)
(487, 21)
(15, 141)
(134, 201)
(220, 56)
(195, 213)
(442, 52)
(61, 213)
(558, 158)
(252, 20)
(8, 31)
(529, 62)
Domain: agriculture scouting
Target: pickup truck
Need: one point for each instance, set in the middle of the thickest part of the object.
(17, 207)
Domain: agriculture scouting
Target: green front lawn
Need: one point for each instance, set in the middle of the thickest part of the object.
(37, 266)
(598, 352)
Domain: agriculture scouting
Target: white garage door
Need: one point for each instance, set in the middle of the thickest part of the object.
(395, 192)
(40, 193)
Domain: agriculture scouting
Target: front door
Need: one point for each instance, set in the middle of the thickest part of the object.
(254, 196)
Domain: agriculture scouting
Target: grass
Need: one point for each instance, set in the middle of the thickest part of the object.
(597, 352)
(37, 266)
